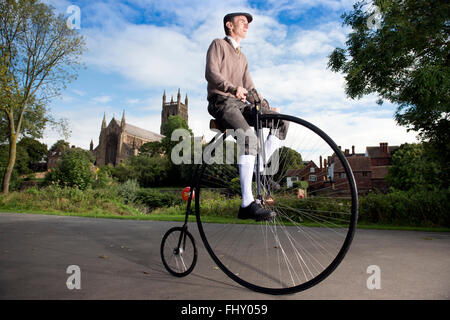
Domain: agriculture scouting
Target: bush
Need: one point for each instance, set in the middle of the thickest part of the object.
(74, 170)
(156, 199)
(301, 184)
(413, 208)
(128, 191)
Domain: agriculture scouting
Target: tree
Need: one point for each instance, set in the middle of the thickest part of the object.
(413, 169)
(36, 151)
(152, 149)
(74, 169)
(289, 159)
(39, 55)
(405, 61)
(173, 123)
(60, 145)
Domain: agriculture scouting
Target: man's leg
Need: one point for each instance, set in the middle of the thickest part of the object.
(277, 134)
(228, 111)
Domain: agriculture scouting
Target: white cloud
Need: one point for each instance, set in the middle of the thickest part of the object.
(288, 65)
(101, 99)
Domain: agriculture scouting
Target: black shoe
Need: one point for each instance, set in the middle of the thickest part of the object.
(256, 212)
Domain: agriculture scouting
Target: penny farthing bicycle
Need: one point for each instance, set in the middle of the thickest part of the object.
(307, 182)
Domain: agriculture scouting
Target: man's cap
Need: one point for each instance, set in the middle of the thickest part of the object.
(230, 16)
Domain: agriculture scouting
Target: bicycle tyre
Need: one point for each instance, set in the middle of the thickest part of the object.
(225, 254)
(178, 263)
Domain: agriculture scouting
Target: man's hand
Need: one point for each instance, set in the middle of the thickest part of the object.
(241, 94)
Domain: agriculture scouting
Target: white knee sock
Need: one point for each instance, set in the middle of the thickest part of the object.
(272, 143)
(246, 165)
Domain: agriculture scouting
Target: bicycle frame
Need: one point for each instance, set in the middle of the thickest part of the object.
(193, 182)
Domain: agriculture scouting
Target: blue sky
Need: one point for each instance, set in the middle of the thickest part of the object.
(139, 48)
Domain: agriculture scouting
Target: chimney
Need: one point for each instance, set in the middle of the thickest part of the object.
(320, 161)
(383, 147)
(353, 150)
(347, 152)
(325, 164)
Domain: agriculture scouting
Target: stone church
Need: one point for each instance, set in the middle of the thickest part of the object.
(119, 140)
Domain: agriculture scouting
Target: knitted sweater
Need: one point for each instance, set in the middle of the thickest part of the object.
(226, 69)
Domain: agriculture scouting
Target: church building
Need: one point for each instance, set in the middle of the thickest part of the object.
(119, 140)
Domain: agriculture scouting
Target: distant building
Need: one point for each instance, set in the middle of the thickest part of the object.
(369, 169)
(54, 156)
(173, 108)
(119, 140)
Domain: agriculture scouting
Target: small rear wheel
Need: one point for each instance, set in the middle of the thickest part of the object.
(178, 251)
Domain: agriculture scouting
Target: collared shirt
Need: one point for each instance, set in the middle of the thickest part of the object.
(233, 42)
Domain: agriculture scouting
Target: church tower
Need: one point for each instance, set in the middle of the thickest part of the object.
(173, 108)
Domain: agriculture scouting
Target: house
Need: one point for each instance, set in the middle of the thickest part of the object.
(369, 170)
(313, 174)
(380, 161)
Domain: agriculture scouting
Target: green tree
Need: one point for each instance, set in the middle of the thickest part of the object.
(74, 169)
(405, 61)
(288, 159)
(413, 169)
(173, 123)
(149, 171)
(62, 145)
(39, 55)
(35, 150)
(152, 149)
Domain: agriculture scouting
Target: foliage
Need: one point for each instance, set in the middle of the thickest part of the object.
(149, 171)
(404, 61)
(413, 169)
(301, 184)
(61, 145)
(288, 159)
(74, 169)
(36, 151)
(69, 200)
(128, 191)
(38, 57)
(412, 208)
(156, 199)
(152, 148)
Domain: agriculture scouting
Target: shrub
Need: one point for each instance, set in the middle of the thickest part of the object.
(128, 191)
(301, 184)
(156, 199)
(413, 208)
(74, 170)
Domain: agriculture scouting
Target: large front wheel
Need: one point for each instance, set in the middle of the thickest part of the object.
(308, 182)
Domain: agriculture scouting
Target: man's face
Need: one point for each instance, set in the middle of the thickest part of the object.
(239, 26)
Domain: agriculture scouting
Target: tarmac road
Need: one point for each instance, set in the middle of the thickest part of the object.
(119, 259)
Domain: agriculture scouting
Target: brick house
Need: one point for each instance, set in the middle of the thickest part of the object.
(380, 160)
(316, 176)
(369, 169)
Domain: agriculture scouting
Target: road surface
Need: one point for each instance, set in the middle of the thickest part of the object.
(119, 259)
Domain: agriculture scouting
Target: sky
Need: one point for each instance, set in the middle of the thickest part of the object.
(138, 49)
